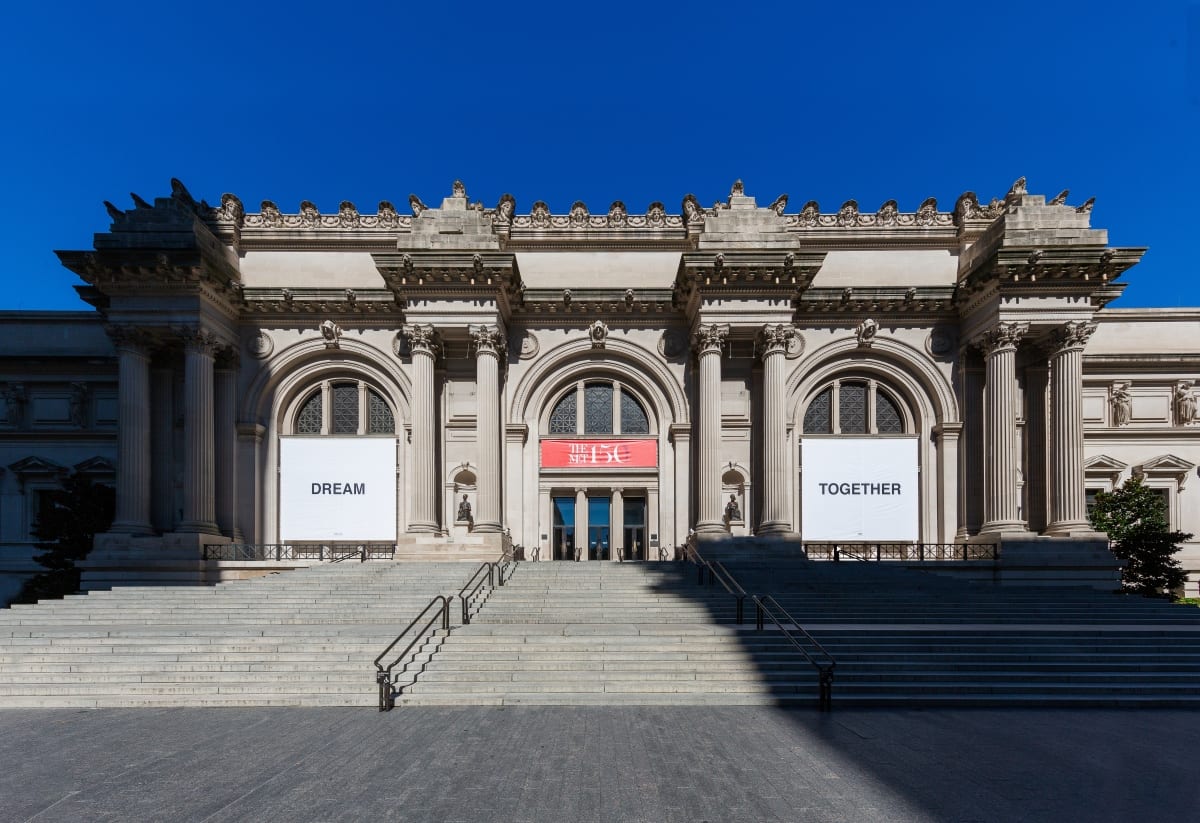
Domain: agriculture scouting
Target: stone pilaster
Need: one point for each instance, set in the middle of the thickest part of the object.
(133, 431)
(225, 433)
(489, 348)
(708, 341)
(773, 343)
(424, 343)
(199, 465)
(1068, 506)
(999, 345)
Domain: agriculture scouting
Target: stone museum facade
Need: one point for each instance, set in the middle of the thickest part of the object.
(457, 379)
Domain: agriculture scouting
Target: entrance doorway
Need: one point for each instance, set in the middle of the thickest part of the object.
(634, 526)
(564, 528)
(599, 526)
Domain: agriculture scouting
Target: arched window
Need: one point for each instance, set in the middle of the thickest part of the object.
(354, 408)
(599, 407)
(854, 406)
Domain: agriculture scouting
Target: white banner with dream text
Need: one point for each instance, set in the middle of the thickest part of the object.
(337, 488)
(859, 488)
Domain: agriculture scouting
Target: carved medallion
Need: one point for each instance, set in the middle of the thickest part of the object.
(941, 342)
(529, 345)
(260, 345)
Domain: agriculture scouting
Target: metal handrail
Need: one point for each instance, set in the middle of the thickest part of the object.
(716, 571)
(383, 675)
(766, 605)
(902, 552)
(358, 551)
(267, 552)
(466, 597)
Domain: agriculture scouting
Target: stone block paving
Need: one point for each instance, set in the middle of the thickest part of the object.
(569, 764)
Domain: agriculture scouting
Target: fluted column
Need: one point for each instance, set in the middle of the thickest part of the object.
(489, 347)
(132, 514)
(199, 465)
(708, 341)
(423, 340)
(1068, 505)
(225, 408)
(999, 345)
(162, 448)
(773, 343)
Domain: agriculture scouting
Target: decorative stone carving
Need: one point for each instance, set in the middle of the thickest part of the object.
(967, 208)
(1000, 337)
(942, 342)
(260, 345)
(529, 345)
(464, 511)
(347, 215)
(617, 216)
(416, 205)
(1060, 199)
(540, 216)
(795, 346)
(737, 189)
(865, 333)
(598, 334)
(1185, 403)
(78, 404)
(457, 189)
(577, 218)
(566, 297)
(14, 402)
(310, 218)
(774, 338)
(487, 339)
(810, 215)
(332, 333)
(927, 213)
(779, 204)
(710, 336)
(888, 214)
(231, 210)
(1121, 403)
(1017, 191)
(1071, 335)
(629, 297)
(198, 339)
(421, 337)
(656, 215)
(388, 218)
(848, 214)
(693, 212)
(505, 210)
(672, 343)
(269, 212)
(733, 512)
(1086, 207)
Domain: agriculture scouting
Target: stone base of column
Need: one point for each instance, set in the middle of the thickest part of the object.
(1074, 528)
(712, 528)
(778, 527)
(423, 527)
(1013, 528)
(129, 528)
(485, 527)
(199, 527)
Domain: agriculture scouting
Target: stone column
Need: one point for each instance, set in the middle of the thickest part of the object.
(423, 340)
(1068, 506)
(225, 433)
(489, 347)
(581, 525)
(708, 341)
(999, 345)
(199, 471)
(773, 343)
(162, 448)
(616, 524)
(132, 514)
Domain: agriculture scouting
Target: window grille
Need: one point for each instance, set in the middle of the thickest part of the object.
(633, 416)
(379, 415)
(598, 408)
(887, 416)
(562, 420)
(345, 409)
(852, 408)
(309, 419)
(819, 417)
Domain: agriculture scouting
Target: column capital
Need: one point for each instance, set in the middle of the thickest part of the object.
(774, 338)
(422, 338)
(487, 339)
(1071, 336)
(132, 339)
(197, 339)
(709, 337)
(1000, 337)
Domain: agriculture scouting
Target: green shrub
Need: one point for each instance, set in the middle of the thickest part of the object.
(1135, 519)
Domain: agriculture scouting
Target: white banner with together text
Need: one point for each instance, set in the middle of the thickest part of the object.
(859, 488)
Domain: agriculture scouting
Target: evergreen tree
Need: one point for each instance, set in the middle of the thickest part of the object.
(1135, 518)
(76, 514)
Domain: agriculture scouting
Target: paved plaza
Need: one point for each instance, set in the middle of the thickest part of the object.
(598, 764)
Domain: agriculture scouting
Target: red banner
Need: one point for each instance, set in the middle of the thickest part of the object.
(600, 454)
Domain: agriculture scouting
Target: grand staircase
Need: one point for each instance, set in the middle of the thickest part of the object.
(601, 633)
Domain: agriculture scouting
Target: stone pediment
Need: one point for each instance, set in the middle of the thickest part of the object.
(33, 466)
(1169, 466)
(1104, 466)
(95, 465)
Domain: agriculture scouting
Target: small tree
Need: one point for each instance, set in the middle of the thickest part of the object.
(1135, 518)
(65, 529)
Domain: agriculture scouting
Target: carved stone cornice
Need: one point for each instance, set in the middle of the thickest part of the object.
(1071, 336)
(422, 338)
(710, 337)
(775, 338)
(348, 217)
(488, 340)
(1000, 337)
(452, 272)
(915, 300)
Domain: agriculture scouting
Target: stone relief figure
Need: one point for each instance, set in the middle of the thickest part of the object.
(779, 204)
(810, 215)
(464, 511)
(14, 402)
(738, 189)
(78, 404)
(347, 215)
(692, 210)
(416, 205)
(270, 214)
(388, 218)
(1122, 404)
(598, 332)
(331, 332)
(577, 218)
(865, 332)
(656, 215)
(1185, 403)
(927, 213)
(617, 214)
(505, 209)
(733, 512)
(309, 215)
(540, 216)
(231, 209)
(457, 189)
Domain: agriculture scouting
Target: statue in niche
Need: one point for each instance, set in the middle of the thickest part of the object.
(1122, 404)
(464, 511)
(733, 512)
(1185, 403)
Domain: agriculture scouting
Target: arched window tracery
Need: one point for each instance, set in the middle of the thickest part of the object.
(855, 406)
(599, 407)
(353, 408)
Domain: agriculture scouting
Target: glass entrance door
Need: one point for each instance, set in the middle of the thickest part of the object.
(635, 528)
(599, 522)
(564, 528)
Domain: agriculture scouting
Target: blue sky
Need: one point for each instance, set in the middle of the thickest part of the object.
(569, 101)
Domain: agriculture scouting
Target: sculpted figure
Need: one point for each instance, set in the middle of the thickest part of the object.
(1122, 404)
(505, 209)
(732, 510)
(464, 511)
(1185, 403)
(309, 214)
(779, 204)
(416, 205)
(866, 331)
(578, 216)
(692, 212)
